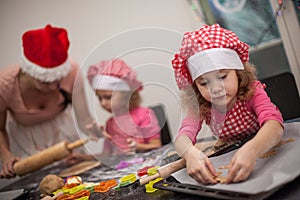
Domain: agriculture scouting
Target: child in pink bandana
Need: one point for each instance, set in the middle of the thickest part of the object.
(132, 128)
(220, 88)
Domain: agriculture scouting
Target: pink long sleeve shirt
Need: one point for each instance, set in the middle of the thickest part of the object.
(139, 124)
(259, 107)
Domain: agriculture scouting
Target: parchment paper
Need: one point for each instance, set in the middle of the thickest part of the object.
(269, 173)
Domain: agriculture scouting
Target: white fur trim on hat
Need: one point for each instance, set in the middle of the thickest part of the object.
(45, 74)
(213, 59)
(102, 82)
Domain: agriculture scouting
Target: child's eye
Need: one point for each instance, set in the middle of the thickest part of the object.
(107, 97)
(203, 83)
(223, 76)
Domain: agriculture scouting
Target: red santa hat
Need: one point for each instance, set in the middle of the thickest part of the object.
(113, 75)
(208, 49)
(45, 53)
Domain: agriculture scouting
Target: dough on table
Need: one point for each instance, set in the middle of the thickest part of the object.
(79, 168)
(50, 183)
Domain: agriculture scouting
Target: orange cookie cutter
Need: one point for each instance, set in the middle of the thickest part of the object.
(80, 194)
(104, 186)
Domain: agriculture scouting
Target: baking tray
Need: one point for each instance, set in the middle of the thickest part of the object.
(171, 184)
(271, 175)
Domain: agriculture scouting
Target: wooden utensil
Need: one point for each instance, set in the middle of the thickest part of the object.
(46, 157)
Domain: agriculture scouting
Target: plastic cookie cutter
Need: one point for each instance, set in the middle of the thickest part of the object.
(144, 171)
(84, 194)
(73, 181)
(65, 197)
(81, 194)
(149, 187)
(127, 180)
(153, 170)
(76, 189)
(64, 190)
(124, 164)
(136, 161)
(104, 186)
(89, 186)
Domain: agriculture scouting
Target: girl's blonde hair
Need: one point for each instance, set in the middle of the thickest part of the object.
(135, 100)
(132, 99)
(195, 102)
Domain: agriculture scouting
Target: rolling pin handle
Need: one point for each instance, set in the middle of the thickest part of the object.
(147, 179)
(76, 144)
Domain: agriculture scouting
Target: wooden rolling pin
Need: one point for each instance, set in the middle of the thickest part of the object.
(165, 171)
(46, 157)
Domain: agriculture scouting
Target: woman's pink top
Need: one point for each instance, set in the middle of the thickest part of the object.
(32, 130)
(259, 108)
(139, 124)
(10, 97)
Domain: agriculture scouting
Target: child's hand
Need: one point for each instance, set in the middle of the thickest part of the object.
(105, 133)
(242, 164)
(131, 145)
(76, 157)
(93, 130)
(199, 167)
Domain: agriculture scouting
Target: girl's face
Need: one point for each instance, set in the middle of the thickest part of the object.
(219, 87)
(112, 101)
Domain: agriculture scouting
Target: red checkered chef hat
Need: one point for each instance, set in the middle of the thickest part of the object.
(113, 75)
(207, 49)
(45, 53)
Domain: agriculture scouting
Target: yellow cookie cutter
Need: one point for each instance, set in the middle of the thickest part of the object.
(149, 187)
(153, 170)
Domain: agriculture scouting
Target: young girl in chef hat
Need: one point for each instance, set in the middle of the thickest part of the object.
(131, 128)
(212, 63)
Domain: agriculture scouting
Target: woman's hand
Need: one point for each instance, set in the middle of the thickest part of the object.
(7, 170)
(199, 167)
(242, 164)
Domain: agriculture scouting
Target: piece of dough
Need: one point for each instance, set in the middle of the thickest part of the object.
(224, 166)
(268, 154)
(79, 168)
(50, 183)
(221, 179)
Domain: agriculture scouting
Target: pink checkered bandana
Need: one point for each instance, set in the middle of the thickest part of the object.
(113, 74)
(206, 38)
(238, 123)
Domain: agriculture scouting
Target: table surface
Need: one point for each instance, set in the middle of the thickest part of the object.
(30, 182)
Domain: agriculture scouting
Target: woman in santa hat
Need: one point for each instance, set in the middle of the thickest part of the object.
(35, 98)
